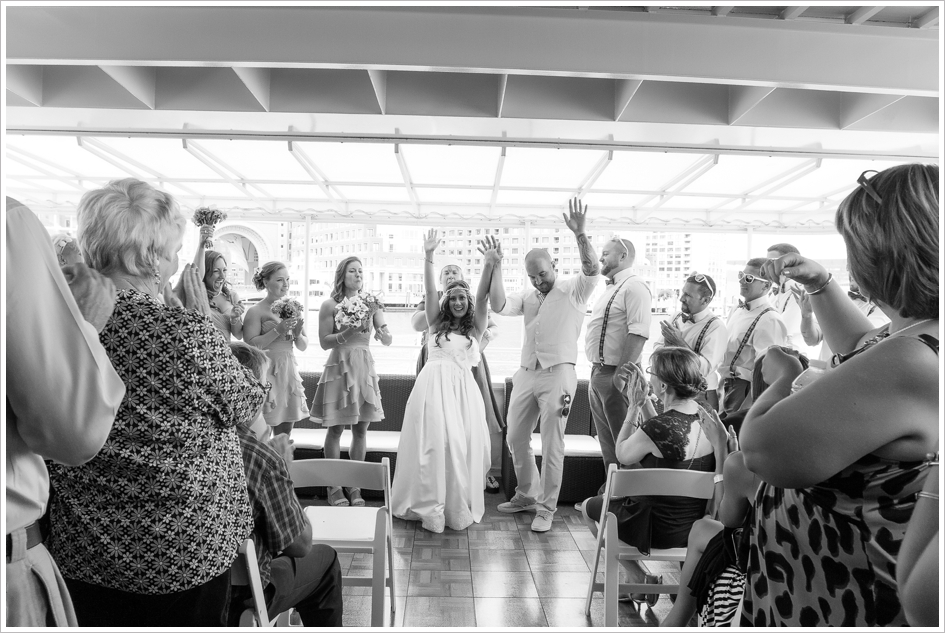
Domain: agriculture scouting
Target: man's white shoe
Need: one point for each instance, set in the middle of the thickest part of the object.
(579, 506)
(517, 504)
(542, 521)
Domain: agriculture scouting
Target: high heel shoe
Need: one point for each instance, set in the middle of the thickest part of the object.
(650, 598)
(355, 495)
(337, 498)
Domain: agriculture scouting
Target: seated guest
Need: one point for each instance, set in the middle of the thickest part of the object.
(753, 326)
(843, 459)
(67, 251)
(146, 532)
(917, 567)
(51, 314)
(293, 572)
(678, 438)
(695, 326)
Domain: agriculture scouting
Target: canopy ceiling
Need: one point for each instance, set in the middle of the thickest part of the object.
(702, 118)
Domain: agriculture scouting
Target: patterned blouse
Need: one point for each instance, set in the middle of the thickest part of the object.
(163, 507)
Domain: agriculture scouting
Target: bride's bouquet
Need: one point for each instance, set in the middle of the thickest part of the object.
(357, 311)
(287, 309)
(205, 216)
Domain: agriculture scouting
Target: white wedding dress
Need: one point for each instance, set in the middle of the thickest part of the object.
(443, 457)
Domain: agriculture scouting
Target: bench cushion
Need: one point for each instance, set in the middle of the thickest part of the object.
(377, 441)
(574, 446)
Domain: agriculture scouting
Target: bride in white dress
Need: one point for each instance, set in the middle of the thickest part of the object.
(443, 456)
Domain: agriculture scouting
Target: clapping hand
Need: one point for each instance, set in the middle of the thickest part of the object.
(803, 300)
(631, 379)
(191, 292)
(714, 430)
(94, 294)
(576, 217)
(283, 446)
(431, 241)
(297, 328)
(491, 249)
(238, 309)
(672, 335)
(283, 327)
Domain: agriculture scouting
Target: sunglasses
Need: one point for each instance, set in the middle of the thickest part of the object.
(566, 409)
(702, 279)
(616, 239)
(650, 371)
(864, 182)
(748, 277)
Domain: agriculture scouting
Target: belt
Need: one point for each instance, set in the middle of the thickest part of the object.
(604, 366)
(34, 537)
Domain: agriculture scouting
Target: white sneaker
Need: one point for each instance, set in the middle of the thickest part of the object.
(542, 521)
(517, 504)
(579, 506)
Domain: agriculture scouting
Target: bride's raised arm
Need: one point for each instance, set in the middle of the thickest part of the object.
(430, 243)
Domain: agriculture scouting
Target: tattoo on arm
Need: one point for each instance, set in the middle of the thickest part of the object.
(589, 263)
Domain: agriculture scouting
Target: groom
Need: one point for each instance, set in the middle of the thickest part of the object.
(544, 385)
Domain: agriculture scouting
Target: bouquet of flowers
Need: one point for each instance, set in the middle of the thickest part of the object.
(287, 309)
(205, 216)
(356, 311)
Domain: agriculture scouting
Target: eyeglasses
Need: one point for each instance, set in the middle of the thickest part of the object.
(650, 371)
(566, 409)
(864, 182)
(702, 279)
(749, 277)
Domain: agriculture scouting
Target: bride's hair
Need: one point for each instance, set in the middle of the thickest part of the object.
(444, 321)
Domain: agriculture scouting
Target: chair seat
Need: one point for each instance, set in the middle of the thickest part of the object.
(344, 527)
(377, 441)
(574, 445)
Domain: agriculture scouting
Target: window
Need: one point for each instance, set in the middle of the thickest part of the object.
(390, 248)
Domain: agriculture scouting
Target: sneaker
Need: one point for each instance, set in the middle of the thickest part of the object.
(579, 506)
(517, 504)
(542, 521)
(492, 484)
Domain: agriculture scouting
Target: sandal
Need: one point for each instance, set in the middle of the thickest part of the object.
(355, 495)
(337, 498)
(492, 484)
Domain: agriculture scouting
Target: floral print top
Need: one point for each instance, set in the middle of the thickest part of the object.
(163, 507)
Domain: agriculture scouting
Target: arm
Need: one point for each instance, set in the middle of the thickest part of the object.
(382, 333)
(431, 301)
(636, 303)
(206, 232)
(252, 329)
(327, 337)
(635, 447)
(491, 256)
(917, 564)
(287, 529)
(492, 330)
(882, 403)
(301, 338)
(496, 289)
(810, 328)
(419, 319)
(740, 486)
(44, 322)
(236, 316)
(577, 215)
(631, 349)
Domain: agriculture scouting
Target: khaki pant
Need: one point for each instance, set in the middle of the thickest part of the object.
(36, 592)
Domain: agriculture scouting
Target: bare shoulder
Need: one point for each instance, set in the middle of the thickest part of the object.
(328, 306)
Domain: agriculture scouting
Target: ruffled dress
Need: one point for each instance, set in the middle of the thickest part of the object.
(444, 453)
(287, 397)
(348, 391)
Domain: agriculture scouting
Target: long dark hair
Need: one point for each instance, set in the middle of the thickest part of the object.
(444, 321)
(338, 289)
(209, 258)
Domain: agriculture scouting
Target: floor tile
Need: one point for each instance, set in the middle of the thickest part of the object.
(543, 561)
(565, 584)
(510, 612)
(554, 541)
(439, 559)
(401, 581)
(439, 612)
(451, 540)
(569, 613)
(440, 584)
(357, 611)
(495, 540)
(503, 584)
(498, 560)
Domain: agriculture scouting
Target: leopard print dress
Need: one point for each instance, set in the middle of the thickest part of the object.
(826, 555)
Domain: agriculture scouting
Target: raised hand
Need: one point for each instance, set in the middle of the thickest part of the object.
(803, 300)
(206, 233)
(491, 249)
(283, 327)
(297, 328)
(191, 292)
(631, 379)
(431, 241)
(94, 294)
(672, 335)
(575, 219)
(793, 266)
(238, 309)
(713, 428)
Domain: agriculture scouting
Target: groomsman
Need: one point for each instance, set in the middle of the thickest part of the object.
(697, 327)
(619, 326)
(753, 326)
(545, 384)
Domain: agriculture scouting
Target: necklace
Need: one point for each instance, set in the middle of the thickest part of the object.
(214, 295)
(888, 333)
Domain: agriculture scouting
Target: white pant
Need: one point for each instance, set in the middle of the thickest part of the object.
(36, 592)
(538, 394)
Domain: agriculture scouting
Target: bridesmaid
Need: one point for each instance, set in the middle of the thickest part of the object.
(448, 274)
(276, 336)
(348, 392)
(226, 311)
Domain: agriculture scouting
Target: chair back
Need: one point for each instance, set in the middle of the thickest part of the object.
(342, 472)
(668, 482)
(245, 571)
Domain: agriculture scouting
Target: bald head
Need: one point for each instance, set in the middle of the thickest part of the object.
(540, 269)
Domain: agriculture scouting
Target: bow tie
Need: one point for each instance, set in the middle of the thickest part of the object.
(744, 304)
(608, 281)
(856, 296)
(687, 318)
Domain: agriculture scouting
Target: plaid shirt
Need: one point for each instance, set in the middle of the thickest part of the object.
(277, 514)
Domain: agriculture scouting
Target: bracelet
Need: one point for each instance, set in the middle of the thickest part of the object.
(340, 339)
(717, 479)
(927, 495)
(428, 260)
(821, 289)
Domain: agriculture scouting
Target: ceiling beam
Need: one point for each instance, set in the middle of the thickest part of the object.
(624, 89)
(684, 183)
(139, 81)
(488, 39)
(685, 173)
(741, 100)
(26, 82)
(927, 19)
(257, 81)
(594, 174)
(20, 156)
(207, 159)
(405, 173)
(796, 173)
(856, 107)
(503, 84)
(721, 12)
(379, 83)
(791, 13)
(110, 159)
(862, 14)
(310, 168)
(500, 165)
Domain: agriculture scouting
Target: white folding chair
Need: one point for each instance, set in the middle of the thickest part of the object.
(635, 483)
(354, 529)
(245, 572)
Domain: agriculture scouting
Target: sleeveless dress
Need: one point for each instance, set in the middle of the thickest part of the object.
(222, 322)
(287, 397)
(443, 456)
(826, 555)
(348, 391)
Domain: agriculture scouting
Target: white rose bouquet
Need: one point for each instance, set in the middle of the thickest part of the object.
(356, 311)
(205, 216)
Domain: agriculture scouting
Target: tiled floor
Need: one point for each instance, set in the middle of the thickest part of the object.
(497, 573)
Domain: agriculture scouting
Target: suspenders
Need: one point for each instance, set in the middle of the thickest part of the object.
(698, 346)
(744, 342)
(603, 329)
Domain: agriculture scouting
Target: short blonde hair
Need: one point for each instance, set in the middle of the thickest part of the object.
(892, 246)
(125, 226)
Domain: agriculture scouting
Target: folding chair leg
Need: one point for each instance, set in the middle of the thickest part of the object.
(593, 586)
(611, 572)
(378, 584)
(390, 561)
